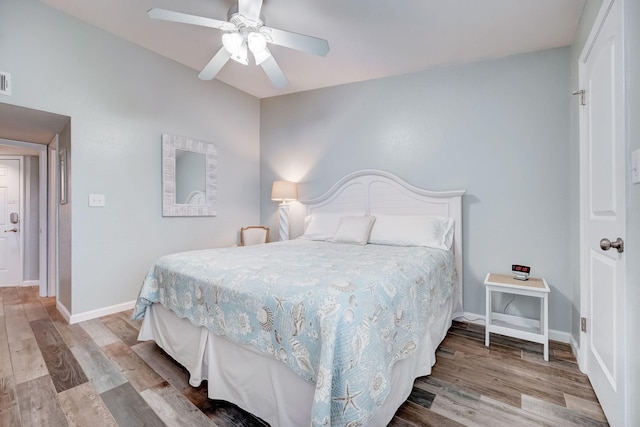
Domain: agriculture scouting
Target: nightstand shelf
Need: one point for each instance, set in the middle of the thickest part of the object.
(535, 287)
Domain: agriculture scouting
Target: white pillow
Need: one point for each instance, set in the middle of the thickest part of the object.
(354, 229)
(413, 230)
(321, 226)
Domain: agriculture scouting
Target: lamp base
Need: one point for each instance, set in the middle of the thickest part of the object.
(283, 208)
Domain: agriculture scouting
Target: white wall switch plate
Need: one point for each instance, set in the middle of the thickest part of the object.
(96, 200)
(635, 167)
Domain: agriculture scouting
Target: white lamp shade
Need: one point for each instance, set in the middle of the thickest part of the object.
(284, 190)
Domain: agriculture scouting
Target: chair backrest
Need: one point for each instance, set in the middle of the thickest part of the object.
(254, 235)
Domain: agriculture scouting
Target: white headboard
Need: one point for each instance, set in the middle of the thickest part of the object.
(373, 192)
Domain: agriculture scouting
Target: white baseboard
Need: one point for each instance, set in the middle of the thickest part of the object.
(560, 336)
(63, 310)
(554, 335)
(575, 346)
(94, 314)
(31, 283)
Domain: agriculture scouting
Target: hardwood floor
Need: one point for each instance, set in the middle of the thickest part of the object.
(96, 373)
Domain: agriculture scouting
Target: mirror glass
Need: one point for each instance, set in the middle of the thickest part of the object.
(188, 177)
(191, 178)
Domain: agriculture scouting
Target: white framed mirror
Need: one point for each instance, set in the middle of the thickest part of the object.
(188, 177)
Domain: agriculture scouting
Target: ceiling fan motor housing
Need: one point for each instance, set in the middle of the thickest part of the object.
(240, 21)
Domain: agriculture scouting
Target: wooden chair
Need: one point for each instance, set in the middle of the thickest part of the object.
(254, 235)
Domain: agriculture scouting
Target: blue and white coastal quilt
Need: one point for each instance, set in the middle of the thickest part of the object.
(339, 315)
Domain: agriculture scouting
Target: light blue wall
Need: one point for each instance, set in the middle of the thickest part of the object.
(498, 129)
(121, 98)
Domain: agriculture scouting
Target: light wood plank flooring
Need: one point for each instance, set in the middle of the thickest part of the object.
(96, 373)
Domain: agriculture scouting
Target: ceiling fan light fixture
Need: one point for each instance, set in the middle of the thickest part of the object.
(241, 55)
(232, 42)
(235, 44)
(258, 46)
(256, 41)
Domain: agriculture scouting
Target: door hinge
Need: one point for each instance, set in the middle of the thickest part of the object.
(583, 324)
(581, 93)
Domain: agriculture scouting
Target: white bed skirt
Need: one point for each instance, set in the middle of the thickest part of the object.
(267, 387)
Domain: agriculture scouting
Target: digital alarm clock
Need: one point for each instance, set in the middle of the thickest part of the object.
(520, 272)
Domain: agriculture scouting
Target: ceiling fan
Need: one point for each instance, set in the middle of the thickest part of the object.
(245, 30)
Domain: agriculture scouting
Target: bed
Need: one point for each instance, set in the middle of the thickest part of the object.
(330, 328)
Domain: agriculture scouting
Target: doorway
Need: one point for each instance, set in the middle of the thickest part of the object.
(45, 132)
(35, 230)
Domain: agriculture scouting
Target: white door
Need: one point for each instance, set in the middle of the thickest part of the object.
(603, 183)
(10, 263)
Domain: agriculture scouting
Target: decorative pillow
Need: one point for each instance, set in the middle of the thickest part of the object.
(321, 226)
(413, 230)
(354, 229)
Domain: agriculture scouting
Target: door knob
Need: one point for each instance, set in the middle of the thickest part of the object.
(606, 244)
(13, 230)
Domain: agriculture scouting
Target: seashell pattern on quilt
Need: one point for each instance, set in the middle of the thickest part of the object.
(338, 315)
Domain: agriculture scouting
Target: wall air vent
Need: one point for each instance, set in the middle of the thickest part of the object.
(5, 83)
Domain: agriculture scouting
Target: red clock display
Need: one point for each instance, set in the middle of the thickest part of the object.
(520, 269)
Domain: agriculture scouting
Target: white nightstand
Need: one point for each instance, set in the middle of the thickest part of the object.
(533, 287)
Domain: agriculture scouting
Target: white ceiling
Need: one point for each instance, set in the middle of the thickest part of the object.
(368, 38)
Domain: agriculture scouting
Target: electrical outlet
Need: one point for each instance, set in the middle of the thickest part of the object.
(96, 200)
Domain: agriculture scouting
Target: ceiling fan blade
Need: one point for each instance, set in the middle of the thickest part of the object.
(250, 9)
(296, 41)
(215, 65)
(169, 15)
(274, 72)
